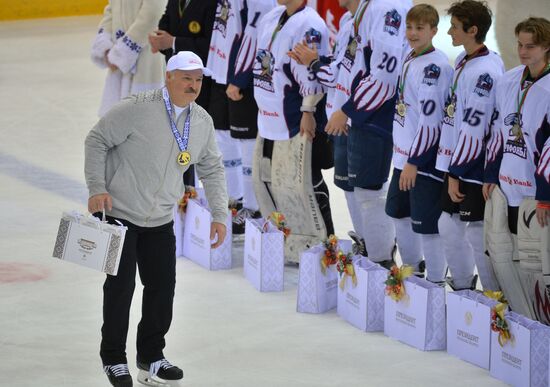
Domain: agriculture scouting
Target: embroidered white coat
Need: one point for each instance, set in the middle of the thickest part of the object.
(123, 36)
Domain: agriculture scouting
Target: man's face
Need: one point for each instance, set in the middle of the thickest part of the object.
(530, 53)
(184, 85)
(420, 34)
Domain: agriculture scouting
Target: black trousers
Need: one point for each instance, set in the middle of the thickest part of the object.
(152, 250)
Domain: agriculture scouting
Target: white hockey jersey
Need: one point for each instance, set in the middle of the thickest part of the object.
(279, 82)
(226, 35)
(253, 11)
(463, 137)
(425, 81)
(520, 160)
(328, 74)
(374, 60)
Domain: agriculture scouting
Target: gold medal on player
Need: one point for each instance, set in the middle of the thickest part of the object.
(401, 108)
(516, 130)
(194, 27)
(451, 110)
(184, 158)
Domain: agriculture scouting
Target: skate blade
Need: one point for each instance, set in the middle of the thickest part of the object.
(144, 378)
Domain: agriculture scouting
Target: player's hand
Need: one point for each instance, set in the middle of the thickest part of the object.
(487, 190)
(99, 202)
(113, 67)
(407, 179)
(234, 92)
(454, 192)
(303, 54)
(219, 230)
(336, 125)
(308, 125)
(161, 40)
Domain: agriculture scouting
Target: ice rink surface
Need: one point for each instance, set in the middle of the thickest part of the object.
(224, 333)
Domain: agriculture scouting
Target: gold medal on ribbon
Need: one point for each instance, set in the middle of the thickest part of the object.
(184, 158)
(194, 27)
(451, 110)
(516, 130)
(401, 109)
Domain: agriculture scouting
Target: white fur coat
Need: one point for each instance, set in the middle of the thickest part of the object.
(123, 36)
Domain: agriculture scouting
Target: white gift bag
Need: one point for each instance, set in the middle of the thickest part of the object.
(469, 326)
(419, 318)
(264, 255)
(179, 222)
(196, 238)
(363, 305)
(524, 360)
(317, 291)
(89, 242)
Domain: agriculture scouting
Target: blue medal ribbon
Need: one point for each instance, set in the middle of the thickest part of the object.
(183, 141)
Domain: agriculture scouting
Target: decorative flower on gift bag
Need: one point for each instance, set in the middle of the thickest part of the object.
(279, 221)
(331, 254)
(344, 265)
(394, 284)
(190, 193)
(498, 322)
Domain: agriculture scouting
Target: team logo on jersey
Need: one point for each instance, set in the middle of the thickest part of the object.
(223, 13)
(515, 143)
(484, 85)
(263, 70)
(392, 22)
(351, 51)
(312, 36)
(431, 74)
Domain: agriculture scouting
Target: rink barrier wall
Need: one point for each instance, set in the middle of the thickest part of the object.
(33, 9)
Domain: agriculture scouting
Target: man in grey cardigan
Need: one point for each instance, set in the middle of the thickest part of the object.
(134, 161)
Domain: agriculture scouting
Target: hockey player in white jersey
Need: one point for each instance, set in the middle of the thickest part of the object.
(518, 160)
(288, 174)
(414, 195)
(235, 118)
(243, 110)
(468, 116)
(375, 57)
(327, 71)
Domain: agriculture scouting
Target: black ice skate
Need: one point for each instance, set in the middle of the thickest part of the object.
(159, 373)
(358, 246)
(119, 375)
(239, 220)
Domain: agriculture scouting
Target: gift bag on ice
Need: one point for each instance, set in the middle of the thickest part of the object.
(89, 242)
(196, 238)
(318, 278)
(469, 326)
(264, 255)
(361, 295)
(418, 318)
(179, 214)
(521, 360)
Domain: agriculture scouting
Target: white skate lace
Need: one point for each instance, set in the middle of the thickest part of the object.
(117, 370)
(156, 366)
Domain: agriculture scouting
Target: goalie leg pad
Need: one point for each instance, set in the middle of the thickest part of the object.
(499, 245)
(293, 192)
(533, 257)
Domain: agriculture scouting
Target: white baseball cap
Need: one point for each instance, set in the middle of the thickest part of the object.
(186, 60)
